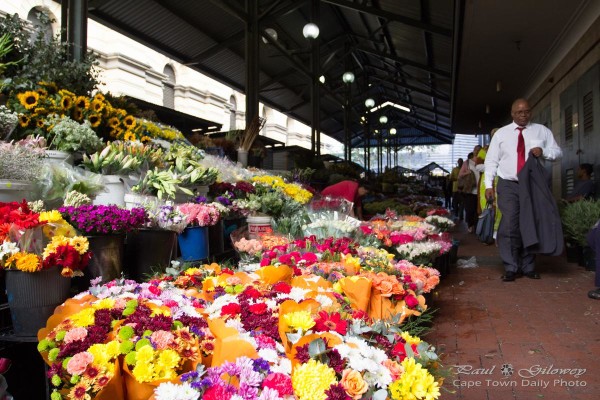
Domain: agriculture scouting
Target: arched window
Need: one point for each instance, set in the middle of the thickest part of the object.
(41, 20)
(169, 87)
(232, 113)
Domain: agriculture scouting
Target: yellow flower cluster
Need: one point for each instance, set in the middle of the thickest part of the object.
(299, 320)
(105, 354)
(311, 380)
(79, 243)
(107, 121)
(55, 225)
(410, 339)
(414, 383)
(26, 262)
(292, 190)
(153, 364)
(83, 318)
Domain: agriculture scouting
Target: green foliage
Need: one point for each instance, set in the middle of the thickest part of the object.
(43, 59)
(578, 218)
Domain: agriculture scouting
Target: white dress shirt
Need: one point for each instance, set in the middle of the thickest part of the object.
(501, 157)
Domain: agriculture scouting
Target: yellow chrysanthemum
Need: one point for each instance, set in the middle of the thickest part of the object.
(193, 271)
(104, 304)
(102, 358)
(311, 380)
(84, 317)
(299, 320)
(50, 216)
(144, 355)
(28, 99)
(112, 349)
(168, 359)
(143, 372)
(26, 262)
(414, 383)
(410, 339)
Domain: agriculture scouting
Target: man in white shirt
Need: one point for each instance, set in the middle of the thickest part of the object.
(509, 148)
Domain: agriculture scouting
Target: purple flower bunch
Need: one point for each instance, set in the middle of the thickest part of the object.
(104, 220)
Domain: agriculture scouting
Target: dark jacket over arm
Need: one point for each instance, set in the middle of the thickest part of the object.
(539, 220)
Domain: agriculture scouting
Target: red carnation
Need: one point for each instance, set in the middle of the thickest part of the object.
(252, 292)
(231, 309)
(411, 301)
(258, 308)
(282, 287)
(280, 382)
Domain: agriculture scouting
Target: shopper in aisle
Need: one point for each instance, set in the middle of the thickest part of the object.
(509, 148)
(350, 190)
(468, 178)
(456, 194)
(585, 186)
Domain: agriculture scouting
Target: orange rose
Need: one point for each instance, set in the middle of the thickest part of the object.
(395, 369)
(353, 383)
(388, 285)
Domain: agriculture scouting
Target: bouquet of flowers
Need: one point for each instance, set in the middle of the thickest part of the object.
(12, 159)
(200, 214)
(444, 224)
(68, 135)
(420, 253)
(104, 220)
(166, 217)
(8, 122)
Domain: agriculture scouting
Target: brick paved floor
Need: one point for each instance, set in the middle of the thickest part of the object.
(547, 330)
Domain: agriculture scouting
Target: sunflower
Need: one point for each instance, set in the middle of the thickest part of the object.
(99, 97)
(145, 139)
(94, 119)
(49, 85)
(129, 121)
(82, 102)
(116, 133)
(42, 92)
(66, 102)
(113, 122)
(28, 99)
(24, 120)
(130, 136)
(78, 114)
(97, 105)
(40, 123)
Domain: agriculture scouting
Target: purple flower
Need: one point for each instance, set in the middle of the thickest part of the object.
(104, 220)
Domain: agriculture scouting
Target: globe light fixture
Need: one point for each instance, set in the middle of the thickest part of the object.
(383, 119)
(310, 31)
(322, 79)
(348, 77)
(393, 131)
(272, 33)
(369, 103)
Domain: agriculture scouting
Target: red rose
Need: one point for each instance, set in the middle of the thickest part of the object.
(411, 301)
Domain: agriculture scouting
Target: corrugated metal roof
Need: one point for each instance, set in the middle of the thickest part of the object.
(399, 51)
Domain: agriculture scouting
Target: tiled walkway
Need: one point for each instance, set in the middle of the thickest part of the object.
(546, 333)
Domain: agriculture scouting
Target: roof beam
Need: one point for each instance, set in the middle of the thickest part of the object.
(355, 6)
(231, 9)
(404, 61)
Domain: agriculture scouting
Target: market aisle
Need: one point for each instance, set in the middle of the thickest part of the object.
(545, 333)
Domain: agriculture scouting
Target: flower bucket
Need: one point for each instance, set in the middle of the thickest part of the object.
(148, 251)
(114, 192)
(15, 190)
(107, 259)
(58, 157)
(242, 157)
(33, 296)
(193, 243)
(258, 225)
(202, 190)
(133, 200)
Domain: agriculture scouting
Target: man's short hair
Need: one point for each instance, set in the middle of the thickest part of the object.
(588, 168)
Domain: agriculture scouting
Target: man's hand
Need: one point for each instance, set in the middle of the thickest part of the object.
(537, 152)
(489, 194)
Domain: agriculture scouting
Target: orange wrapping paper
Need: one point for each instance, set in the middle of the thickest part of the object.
(228, 345)
(358, 291)
(271, 274)
(289, 306)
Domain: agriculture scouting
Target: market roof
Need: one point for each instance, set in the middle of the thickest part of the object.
(432, 166)
(440, 59)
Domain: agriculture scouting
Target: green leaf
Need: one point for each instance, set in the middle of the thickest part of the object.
(316, 348)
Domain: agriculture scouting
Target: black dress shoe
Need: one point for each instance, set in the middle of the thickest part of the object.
(509, 276)
(594, 294)
(532, 275)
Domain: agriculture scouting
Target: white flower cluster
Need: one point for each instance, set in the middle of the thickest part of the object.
(442, 223)
(418, 250)
(8, 122)
(7, 249)
(324, 228)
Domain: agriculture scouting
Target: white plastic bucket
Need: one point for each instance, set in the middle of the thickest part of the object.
(114, 191)
(15, 190)
(258, 225)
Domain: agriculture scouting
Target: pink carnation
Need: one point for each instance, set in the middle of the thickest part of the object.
(162, 339)
(280, 382)
(79, 362)
(75, 335)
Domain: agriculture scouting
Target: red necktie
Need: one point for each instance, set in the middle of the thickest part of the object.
(520, 149)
